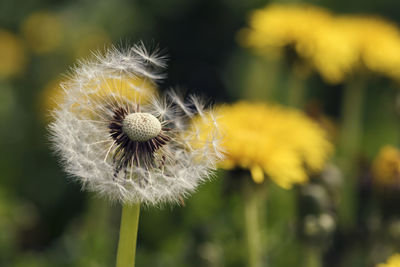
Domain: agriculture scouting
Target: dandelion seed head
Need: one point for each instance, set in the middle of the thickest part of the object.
(119, 138)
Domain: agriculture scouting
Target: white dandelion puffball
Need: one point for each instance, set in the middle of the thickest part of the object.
(119, 138)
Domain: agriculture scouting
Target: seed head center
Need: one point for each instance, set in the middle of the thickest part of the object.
(141, 127)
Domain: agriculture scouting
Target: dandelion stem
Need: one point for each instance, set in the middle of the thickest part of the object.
(312, 256)
(261, 79)
(252, 199)
(128, 235)
(352, 110)
(296, 91)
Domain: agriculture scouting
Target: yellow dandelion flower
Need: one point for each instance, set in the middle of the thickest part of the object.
(393, 261)
(386, 167)
(280, 25)
(269, 139)
(43, 31)
(372, 33)
(333, 53)
(334, 45)
(12, 55)
(313, 33)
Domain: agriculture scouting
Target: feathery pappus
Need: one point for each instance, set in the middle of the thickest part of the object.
(121, 139)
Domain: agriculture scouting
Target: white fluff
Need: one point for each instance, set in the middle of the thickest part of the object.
(81, 137)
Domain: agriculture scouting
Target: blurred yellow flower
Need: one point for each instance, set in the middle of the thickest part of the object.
(133, 88)
(393, 261)
(279, 25)
(280, 142)
(378, 43)
(43, 32)
(12, 55)
(310, 30)
(386, 167)
(335, 46)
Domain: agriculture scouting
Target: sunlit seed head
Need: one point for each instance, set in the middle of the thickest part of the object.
(141, 127)
(92, 131)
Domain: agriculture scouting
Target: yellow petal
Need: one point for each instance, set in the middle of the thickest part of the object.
(257, 174)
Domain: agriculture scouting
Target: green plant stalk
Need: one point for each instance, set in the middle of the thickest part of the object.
(296, 91)
(261, 79)
(349, 143)
(128, 235)
(312, 256)
(252, 205)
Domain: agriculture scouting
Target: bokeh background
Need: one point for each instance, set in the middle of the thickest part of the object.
(45, 219)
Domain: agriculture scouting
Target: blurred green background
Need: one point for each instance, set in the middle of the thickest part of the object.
(45, 219)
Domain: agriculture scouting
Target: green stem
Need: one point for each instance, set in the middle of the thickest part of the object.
(252, 203)
(296, 91)
(261, 79)
(312, 256)
(128, 235)
(349, 143)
